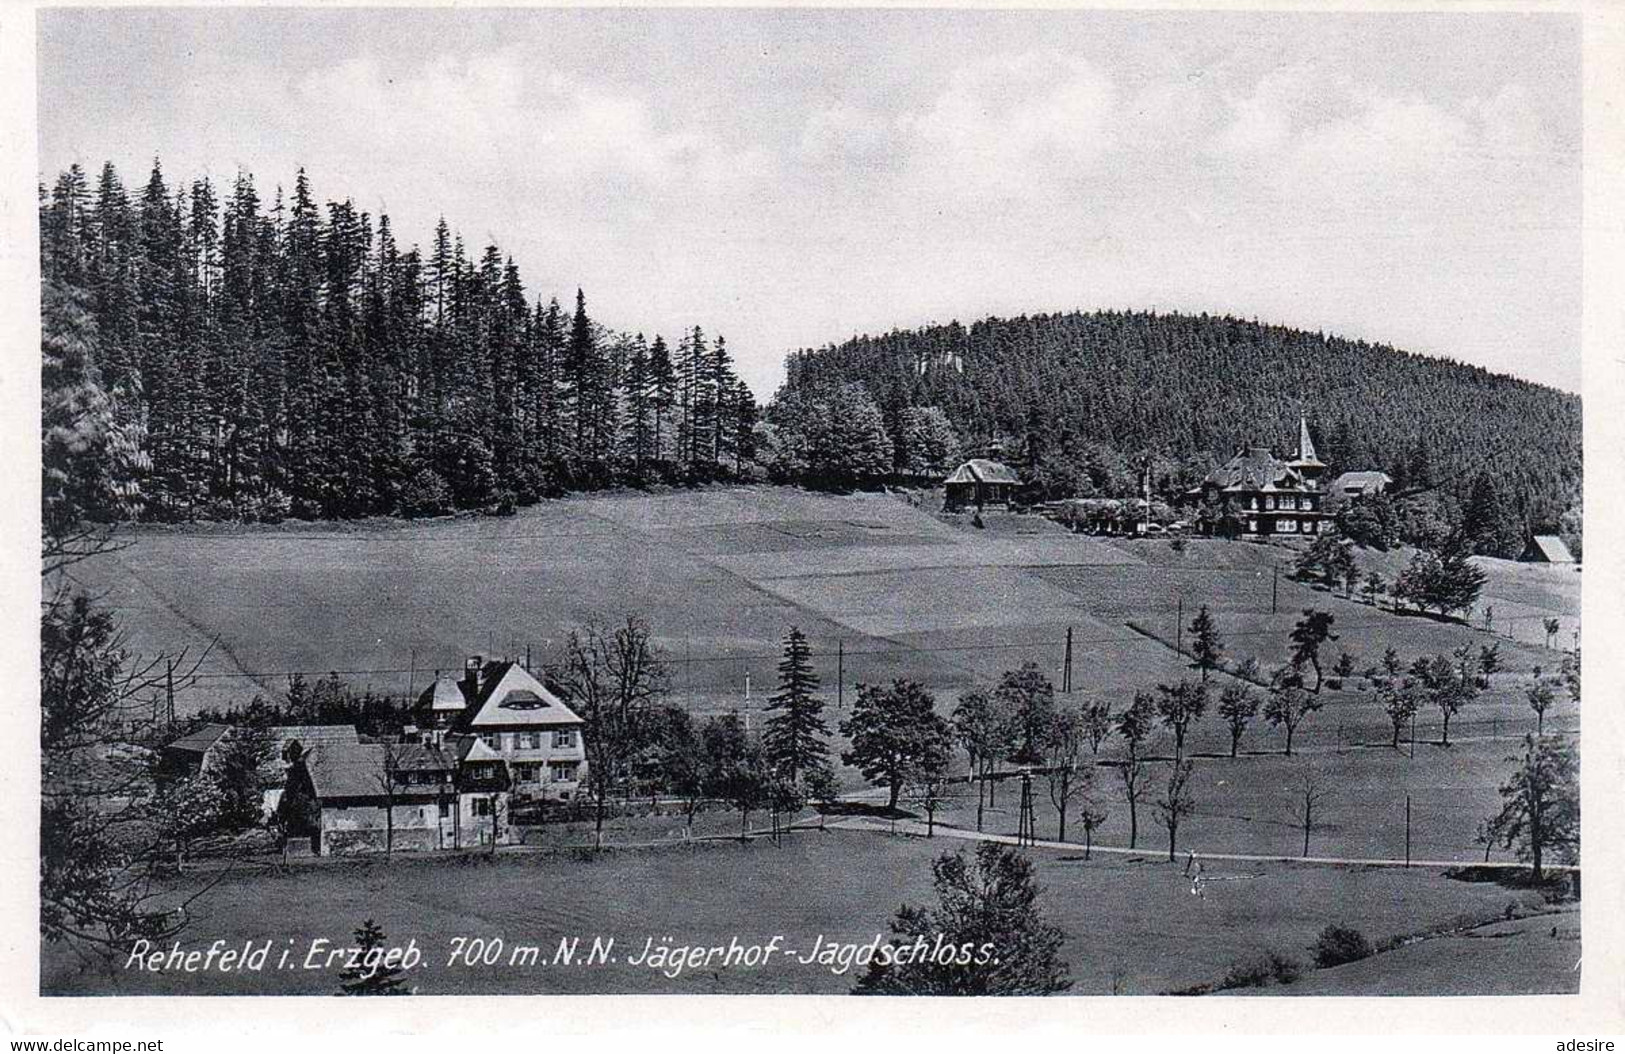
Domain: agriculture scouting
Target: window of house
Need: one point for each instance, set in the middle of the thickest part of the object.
(531, 740)
(445, 809)
(564, 770)
(564, 739)
(492, 739)
(482, 806)
(1289, 526)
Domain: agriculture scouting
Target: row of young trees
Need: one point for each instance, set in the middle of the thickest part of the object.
(298, 360)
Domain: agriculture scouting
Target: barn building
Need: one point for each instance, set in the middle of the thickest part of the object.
(1360, 484)
(979, 483)
(1547, 549)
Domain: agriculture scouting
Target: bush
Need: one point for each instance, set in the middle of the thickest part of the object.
(1253, 974)
(1284, 969)
(1337, 945)
(424, 495)
(503, 503)
(1256, 973)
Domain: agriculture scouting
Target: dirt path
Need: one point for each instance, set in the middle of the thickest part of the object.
(916, 828)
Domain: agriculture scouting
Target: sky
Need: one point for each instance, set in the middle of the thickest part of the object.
(789, 178)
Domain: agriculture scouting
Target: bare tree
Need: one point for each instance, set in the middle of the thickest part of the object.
(1097, 725)
(1289, 703)
(927, 789)
(1132, 771)
(1176, 803)
(1064, 765)
(613, 678)
(1091, 805)
(1179, 706)
(1310, 796)
(388, 779)
(99, 845)
(982, 723)
(1540, 700)
(1238, 706)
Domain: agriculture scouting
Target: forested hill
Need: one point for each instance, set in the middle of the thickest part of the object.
(1195, 388)
(209, 354)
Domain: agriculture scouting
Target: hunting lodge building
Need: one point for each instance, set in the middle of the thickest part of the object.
(1268, 496)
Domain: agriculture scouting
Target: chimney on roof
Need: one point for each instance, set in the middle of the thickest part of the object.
(471, 672)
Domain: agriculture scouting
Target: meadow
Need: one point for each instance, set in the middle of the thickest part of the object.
(884, 588)
(1132, 926)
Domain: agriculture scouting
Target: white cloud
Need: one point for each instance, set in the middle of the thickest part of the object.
(849, 133)
(494, 116)
(1513, 125)
(1008, 120)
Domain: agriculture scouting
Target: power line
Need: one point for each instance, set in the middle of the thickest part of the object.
(840, 654)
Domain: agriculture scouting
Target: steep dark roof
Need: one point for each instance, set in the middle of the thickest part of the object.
(445, 694)
(511, 697)
(981, 470)
(199, 741)
(1548, 547)
(1361, 481)
(423, 757)
(1253, 469)
(346, 770)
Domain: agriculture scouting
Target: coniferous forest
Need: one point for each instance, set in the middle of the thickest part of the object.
(262, 359)
(1066, 395)
(251, 360)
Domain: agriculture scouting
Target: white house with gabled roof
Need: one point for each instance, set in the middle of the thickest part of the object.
(517, 722)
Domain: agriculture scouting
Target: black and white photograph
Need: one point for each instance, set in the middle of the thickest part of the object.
(811, 502)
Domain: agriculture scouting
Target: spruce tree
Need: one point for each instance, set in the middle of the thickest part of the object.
(370, 976)
(1207, 646)
(794, 735)
(662, 390)
(635, 386)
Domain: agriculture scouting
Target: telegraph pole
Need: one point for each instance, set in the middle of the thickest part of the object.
(1407, 830)
(1179, 625)
(169, 691)
(1066, 673)
(840, 674)
(1275, 589)
(1026, 834)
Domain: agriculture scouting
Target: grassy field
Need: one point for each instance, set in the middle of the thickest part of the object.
(1531, 956)
(898, 590)
(1132, 926)
(1247, 805)
(720, 574)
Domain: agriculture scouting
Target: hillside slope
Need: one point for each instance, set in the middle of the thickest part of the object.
(1197, 387)
(882, 588)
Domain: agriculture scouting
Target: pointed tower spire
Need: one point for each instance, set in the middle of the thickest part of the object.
(1306, 446)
